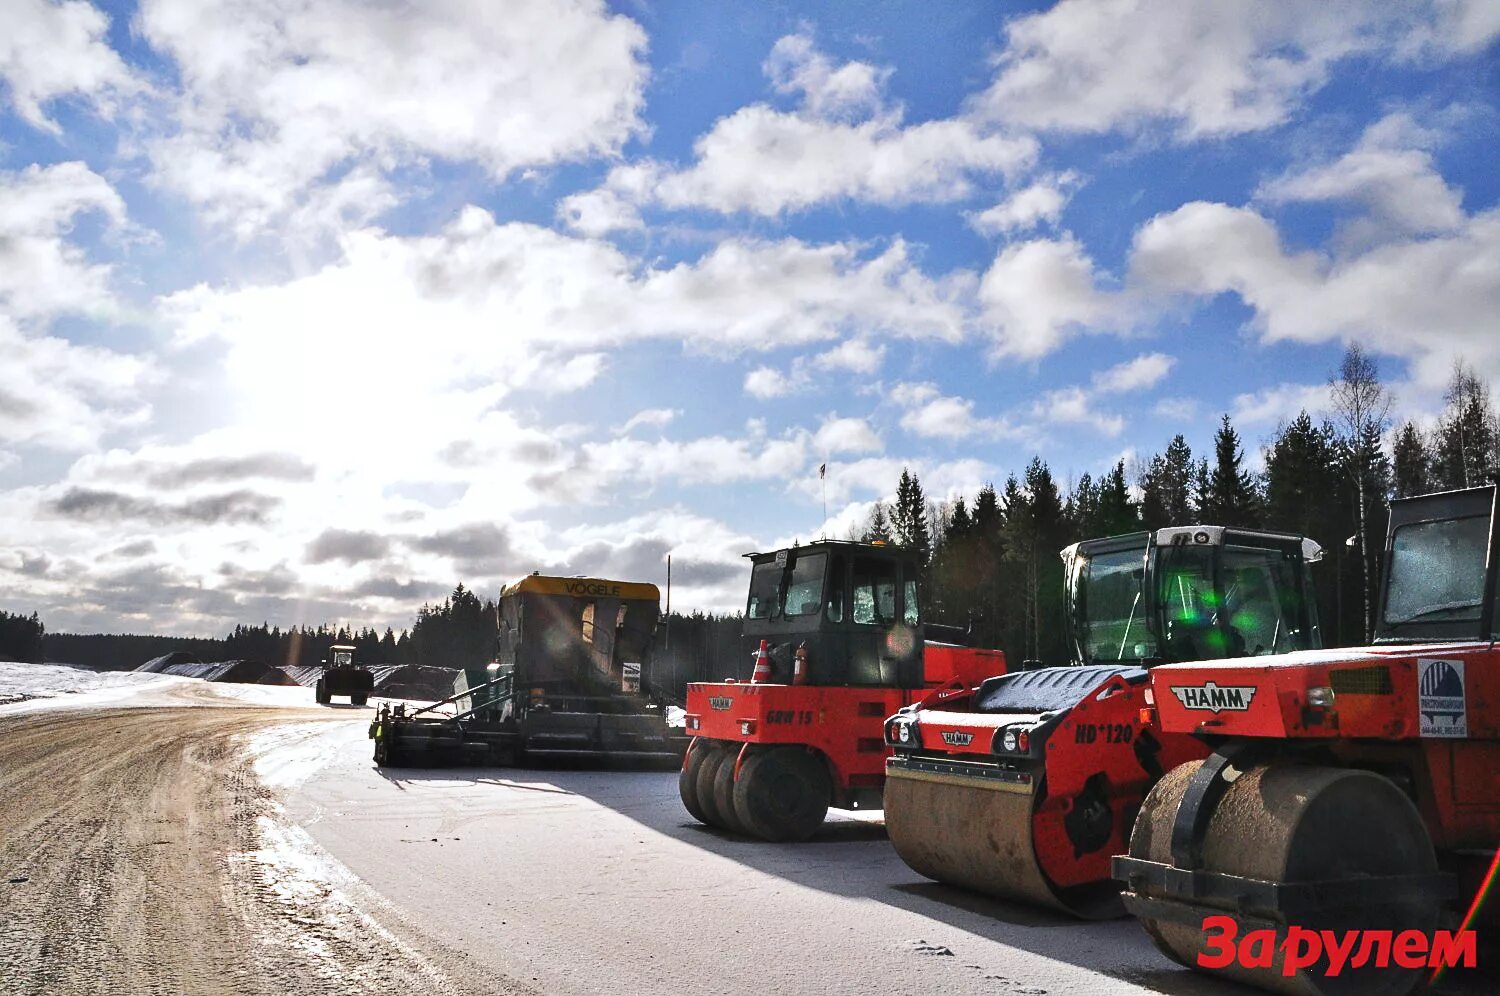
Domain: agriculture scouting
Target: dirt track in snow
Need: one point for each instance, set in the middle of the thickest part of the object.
(138, 853)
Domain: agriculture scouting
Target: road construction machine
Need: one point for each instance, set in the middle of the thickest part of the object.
(341, 676)
(1025, 787)
(840, 644)
(1347, 796)
(564, 685)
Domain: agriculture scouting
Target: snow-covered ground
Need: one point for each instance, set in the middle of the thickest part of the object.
(27, 687)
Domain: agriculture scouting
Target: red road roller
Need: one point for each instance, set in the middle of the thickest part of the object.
(840, 644)
(1026, 788)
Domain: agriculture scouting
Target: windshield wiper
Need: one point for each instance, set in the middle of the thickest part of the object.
(1428, 610)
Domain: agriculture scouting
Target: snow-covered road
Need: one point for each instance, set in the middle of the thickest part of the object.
(598, 882)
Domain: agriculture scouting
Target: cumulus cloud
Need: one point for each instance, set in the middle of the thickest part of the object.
(1041, 201)
(1141, 373)
(1075, 405)
(1430, 300)
(279, 100)
(1035, 293)
(41, 272)
(854, 355)
(1279, 403)
(1390, 176)
(933, 415)
(847, 435)
(1206, 69)
(843, 141)
(64, 396)
(50, 51)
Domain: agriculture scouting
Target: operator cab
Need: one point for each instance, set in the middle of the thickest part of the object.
(341, 656)
(853, 608)
(1190, 593)
(1441, 562)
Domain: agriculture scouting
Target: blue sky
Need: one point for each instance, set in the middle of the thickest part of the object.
(310, 310)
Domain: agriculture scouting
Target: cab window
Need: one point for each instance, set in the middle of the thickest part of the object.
(836, 580)
(909, 609)
(874, 589)
(765, 582)
(804, 586)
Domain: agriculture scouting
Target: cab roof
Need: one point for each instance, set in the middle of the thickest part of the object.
(580, 586)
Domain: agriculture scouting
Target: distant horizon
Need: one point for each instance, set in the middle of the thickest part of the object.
(308, 311)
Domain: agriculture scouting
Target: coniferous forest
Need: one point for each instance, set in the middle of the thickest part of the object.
(991, 559)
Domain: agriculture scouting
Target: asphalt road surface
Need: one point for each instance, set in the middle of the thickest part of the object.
(599, 882)
(165, 847)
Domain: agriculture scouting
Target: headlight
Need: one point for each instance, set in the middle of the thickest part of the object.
(1321, 697)
(1012, 740)
(902, 733)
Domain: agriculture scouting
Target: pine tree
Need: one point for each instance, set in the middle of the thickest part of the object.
(909, 518)
(1301, 472)
(1116, 512)
(1229, 496)
(959, 523)
(1467, 435)
(878, 526)
(1411, 462)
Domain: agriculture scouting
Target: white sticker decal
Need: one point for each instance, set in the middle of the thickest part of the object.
(1215, 698)
(1440, 699)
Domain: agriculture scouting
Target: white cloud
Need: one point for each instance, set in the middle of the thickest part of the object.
(933, 415)
(57, 394)
(1142, 373)
(766, 383)
(1075, 405)
(279, 98)
(55, 50)
(1280, 403)
(846, 435)
(1210, 69)
(41, 273)
(843, 141)
(1397, 185)
(854, 355)
(1041, 201)
(1431, 300)
(828, 90)
(658, 418)
(1178, 409)
(1035, 292)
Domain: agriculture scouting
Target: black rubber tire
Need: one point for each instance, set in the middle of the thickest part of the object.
(703, 786)
(687, 778)
(723, 789)
(783, 794)
(320, 693)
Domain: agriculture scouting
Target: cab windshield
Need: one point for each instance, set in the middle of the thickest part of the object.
(1114, 624)
(1437, 571)
(1231, 601)
(342, 659)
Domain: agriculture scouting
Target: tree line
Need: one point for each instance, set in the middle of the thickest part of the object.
(992, 560)
(21, 638)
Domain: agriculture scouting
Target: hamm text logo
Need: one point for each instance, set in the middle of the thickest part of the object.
(956, 739)
(1213, 698)
(720, 703)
